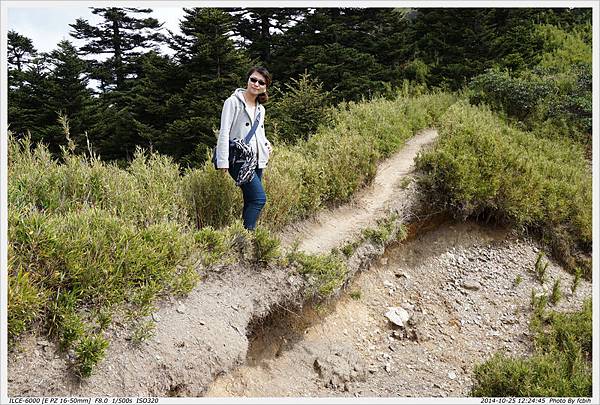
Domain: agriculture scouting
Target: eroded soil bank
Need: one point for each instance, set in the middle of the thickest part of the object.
(467, 289)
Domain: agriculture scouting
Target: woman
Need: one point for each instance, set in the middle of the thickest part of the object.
(243, 112)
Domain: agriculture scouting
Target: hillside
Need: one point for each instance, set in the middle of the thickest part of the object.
(259, 331)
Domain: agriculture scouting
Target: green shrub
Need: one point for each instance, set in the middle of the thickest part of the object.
(299, 109)
(383, 233)
(560, 367)
(25, 303)
(87, 261)
(481, 167)
(89, 352)
(326, 271)
(211, 197)
(513, 95)
(556, 294)
(146, 193)
(563, 49)
(539, 376)
(212, 244)
(266, 246)
(554, 97)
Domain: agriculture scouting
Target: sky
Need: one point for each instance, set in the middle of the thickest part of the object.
(47, 26)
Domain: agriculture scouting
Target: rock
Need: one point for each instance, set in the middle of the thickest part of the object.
(340, 368)
(471, 285)
(155, 317)
(452, 375)
(43, 343)
(397, 315)
(388, 367)
(181, 309)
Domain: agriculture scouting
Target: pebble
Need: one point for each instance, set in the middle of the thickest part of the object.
(471, 285)
(452, 375)
(181, 308)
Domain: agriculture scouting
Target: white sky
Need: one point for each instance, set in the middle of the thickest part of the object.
(47, 26)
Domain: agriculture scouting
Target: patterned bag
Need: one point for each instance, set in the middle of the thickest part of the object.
(244, 152)
(240, 150)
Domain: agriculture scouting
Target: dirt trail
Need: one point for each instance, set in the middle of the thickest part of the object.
(332, 227)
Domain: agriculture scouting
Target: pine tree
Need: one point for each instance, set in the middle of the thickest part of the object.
(335, 46)
(124, 39)
(211, 67)
(120, 36)
(260, 29)
(68, 90)
(27, 88)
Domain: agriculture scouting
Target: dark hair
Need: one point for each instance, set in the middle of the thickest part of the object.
(264, 97)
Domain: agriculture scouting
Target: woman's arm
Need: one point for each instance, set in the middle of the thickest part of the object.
(227, 118)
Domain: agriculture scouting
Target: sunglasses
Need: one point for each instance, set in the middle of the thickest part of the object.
(254, 80)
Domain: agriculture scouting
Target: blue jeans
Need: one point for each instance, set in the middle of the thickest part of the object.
(254, 196)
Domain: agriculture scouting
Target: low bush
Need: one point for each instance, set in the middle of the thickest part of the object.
(553, 98)
(80, 263)
(326, 272)
(481, 167)
(560, 367)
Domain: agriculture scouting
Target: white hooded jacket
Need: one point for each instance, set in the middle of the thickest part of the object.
(236, 121)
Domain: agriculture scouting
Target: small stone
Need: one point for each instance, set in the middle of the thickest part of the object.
(155, 317)
(397, 315)
(388, 368)
(43, 343)
(452, 375)
(471, 285)
(181, 308)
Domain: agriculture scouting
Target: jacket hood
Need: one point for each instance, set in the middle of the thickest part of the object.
(239, 93)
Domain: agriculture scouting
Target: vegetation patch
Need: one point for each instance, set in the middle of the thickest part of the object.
(560, 367)
(482, 167)
(325, 272)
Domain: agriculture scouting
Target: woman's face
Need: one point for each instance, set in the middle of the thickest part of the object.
(257, 84)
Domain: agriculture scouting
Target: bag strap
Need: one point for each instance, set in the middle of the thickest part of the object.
(253, 129)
